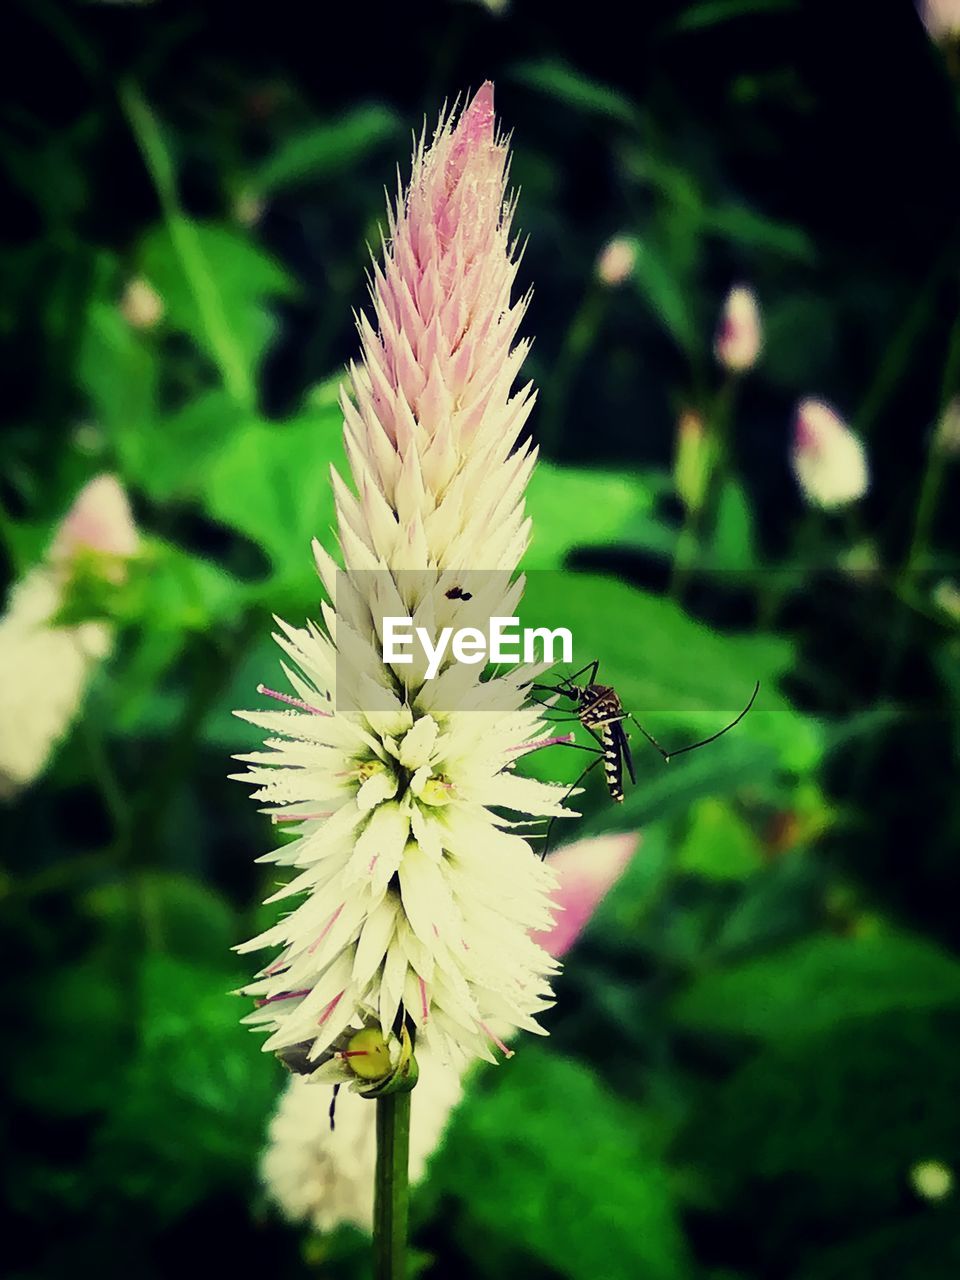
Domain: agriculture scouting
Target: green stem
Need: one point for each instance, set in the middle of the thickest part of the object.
(937, 460)
(697, 523)
(579, 338)
(391, 1190)
(898, 354)
(187, 246)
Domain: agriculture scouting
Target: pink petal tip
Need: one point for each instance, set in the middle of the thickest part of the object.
(586, 870)
(476, 123)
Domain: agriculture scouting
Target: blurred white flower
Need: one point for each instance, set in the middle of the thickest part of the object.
(45, 669)
(141, 306)
(932, 1179)
(325, 1177)
(616, 261)
(739, 334)
(829, 461)
(941, 18)
(419, 897)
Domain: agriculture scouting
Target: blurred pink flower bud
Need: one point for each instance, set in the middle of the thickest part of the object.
(248, 208)
(100, 520)
(693, 461)
(46, 666)
(586, 871)
(739, 336)
(941, 18)
(616, 261)
(830, 463)
(141, 306)
(946, 596)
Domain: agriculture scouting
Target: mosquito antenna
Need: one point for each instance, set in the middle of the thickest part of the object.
(668, 755)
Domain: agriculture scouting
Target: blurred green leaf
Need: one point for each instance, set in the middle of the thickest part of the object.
(176, 451)
(517, 1159)
(73, 1061)
(780, 904)
(271, 481)
(327, 150)
(260, 665)
(559, 80)
(700, 17)
(663, 288)
(168, 912)
(191, 1114)
(742, 225)
(817, 984)
(718, 845)
(184, 592)
(734, 543)
(843, 1115)
(606, 504)
(117, 369)
(222, 302)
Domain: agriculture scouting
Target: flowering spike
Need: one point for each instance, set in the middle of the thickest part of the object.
(397, 791)
(45, 663)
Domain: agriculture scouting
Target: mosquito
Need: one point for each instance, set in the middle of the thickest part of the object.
(599, 709)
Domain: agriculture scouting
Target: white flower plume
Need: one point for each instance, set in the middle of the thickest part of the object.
(416, 895)
(324, 1176)
(45, 668)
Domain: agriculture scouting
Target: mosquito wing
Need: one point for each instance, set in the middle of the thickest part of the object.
(623, 742)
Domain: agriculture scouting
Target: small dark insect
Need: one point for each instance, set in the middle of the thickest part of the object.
(294, 1058)
(458, 593)
(600, 711)
(333, 1106)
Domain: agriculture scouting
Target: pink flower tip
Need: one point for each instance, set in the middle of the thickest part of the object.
(586, 870)
(476, 123)
(941, 18)
(616, 261)
(739, 335)
(829, 461)
(99, 520)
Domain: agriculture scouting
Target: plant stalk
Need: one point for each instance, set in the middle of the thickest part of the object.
(391, 1187)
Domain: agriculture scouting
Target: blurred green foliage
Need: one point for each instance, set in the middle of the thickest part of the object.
(757, 1038)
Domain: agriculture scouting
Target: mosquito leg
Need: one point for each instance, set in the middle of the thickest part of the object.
(592, 765)
(592, 667)
(333, 1105)
(652, 740)
(668, 755)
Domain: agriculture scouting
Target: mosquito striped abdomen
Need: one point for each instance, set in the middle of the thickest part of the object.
(602, 714)
(612, 763)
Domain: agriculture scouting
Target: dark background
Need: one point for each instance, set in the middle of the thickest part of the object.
(809, 149)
